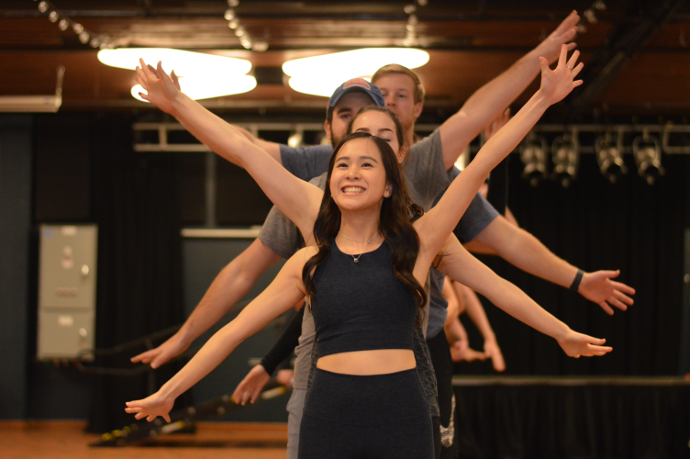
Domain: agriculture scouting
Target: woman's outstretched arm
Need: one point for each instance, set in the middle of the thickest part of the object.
(434, 227)
(297, 199)
(283, 293)
(461, 266)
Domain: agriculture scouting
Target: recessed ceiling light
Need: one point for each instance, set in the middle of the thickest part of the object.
(320, 75)
(185, 63)
(207, 87)
(202, 76)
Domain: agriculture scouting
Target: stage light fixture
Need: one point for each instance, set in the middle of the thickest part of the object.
(565, 154)
(647, 152)
(610, 156)
(533, 156)
(320, 75)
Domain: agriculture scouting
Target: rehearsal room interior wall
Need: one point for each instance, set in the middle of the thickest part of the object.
(45, 162)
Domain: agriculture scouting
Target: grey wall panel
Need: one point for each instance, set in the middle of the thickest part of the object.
(203, 260)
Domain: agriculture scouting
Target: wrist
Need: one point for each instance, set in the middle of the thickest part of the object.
(168, 392)
(489, 338)
(575, 285)
(185, 335)
(561, 333)
(541, 101)
(177, 103)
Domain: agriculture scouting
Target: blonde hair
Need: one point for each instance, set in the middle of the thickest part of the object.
(397, 68)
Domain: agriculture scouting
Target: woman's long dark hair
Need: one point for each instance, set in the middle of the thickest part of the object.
(398, 212)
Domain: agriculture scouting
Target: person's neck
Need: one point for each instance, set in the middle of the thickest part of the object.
(359, 230)
(409, 137)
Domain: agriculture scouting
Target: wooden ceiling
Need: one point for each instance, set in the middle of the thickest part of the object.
(470, 42)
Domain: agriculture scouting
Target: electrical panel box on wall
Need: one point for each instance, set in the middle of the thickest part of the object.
(67, 291)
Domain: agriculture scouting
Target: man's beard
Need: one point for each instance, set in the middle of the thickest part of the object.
(334, 140)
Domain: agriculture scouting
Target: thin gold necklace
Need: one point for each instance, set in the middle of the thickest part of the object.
(357, 257)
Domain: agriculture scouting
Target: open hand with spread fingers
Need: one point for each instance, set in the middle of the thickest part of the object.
(151, 407)
(559, 82)
(161, 89)
(249, 389)
(600, 288)
(578, 344)
(172, 347)
(563, 35)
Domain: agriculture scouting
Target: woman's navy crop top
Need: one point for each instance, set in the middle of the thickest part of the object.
(361, 306)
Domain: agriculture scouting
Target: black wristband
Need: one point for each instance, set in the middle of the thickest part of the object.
(576, 282)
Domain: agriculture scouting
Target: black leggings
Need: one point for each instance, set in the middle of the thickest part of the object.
(379, 416)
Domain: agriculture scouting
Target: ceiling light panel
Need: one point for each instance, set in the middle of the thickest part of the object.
(320, 75)
(208, 87)
(185, 63)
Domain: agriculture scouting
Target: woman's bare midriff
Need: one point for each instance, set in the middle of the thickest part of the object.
(362, 363)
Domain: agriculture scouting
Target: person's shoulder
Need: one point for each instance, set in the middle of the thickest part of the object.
(296, 262)
(426, 142)
(309, 149)
(305, 253)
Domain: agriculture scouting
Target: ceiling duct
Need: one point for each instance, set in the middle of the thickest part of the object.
(35, 104)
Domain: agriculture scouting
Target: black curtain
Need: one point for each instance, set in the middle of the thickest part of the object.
(136, 207)
(594, 224)
(577, 421)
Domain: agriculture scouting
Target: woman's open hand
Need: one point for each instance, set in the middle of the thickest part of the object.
(559, 82)
(151, 407)
(162, 89)
(577, 344)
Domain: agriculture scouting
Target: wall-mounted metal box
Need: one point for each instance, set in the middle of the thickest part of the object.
(67, 290)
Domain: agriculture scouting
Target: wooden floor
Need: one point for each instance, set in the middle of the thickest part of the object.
(67, 440)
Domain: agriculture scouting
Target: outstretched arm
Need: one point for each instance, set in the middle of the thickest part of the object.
(298, 200)
(271, 148)
(435, 226)
(526, 252)
(455, 332)
(282, 294)
(464, 268)
(475, 311)
(492, 98)
(231, 284)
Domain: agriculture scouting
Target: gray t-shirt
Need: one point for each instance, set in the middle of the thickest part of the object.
(476, 218)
